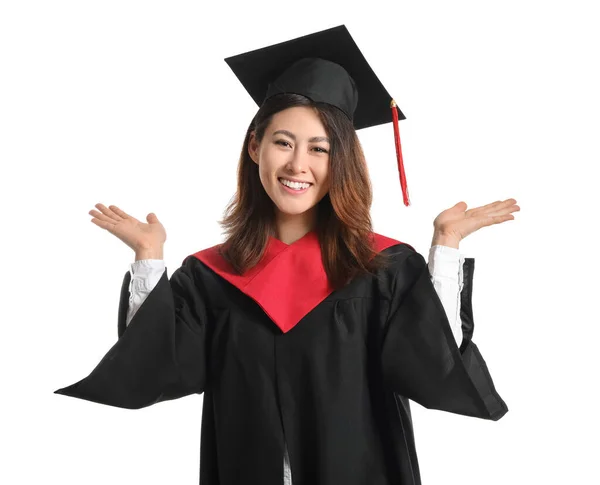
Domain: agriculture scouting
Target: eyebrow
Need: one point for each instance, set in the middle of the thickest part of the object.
(314, 139)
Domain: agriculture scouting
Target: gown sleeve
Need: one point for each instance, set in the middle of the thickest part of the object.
(420, 357)
(160, 355)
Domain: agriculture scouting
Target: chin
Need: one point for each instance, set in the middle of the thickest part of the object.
(293, 209)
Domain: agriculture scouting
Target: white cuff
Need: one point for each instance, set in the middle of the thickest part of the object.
(445, 261)
(145, 273)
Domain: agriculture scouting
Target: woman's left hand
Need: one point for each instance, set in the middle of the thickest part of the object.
(455, 224)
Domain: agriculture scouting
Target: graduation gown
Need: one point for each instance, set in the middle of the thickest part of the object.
(281, 356)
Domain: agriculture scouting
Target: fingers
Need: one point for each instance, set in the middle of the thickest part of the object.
(102, 217)
(499, 219)
(503, 204)
(495, 208)
(107, 214)
(109, 226)
(507, 203)
(487, 206)
(119, 212)
(504, 208)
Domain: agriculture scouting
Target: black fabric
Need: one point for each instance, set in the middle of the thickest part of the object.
(337, 385)
(325, 66)
(319, 80)
(156, 357)
(421, 359)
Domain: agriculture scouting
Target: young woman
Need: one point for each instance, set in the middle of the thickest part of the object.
(306, 332)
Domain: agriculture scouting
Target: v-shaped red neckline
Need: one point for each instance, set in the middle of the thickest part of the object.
(308, 239)
(289, 281)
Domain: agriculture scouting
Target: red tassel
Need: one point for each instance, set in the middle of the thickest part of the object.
(399, 153)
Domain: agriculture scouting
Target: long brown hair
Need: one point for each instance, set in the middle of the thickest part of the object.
(344, 225)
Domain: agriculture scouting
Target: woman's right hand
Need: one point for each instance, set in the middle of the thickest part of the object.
(139, 236)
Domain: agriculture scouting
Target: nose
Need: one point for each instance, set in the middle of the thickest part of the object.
(297, 163)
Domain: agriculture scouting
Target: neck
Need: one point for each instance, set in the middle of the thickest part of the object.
(290, 228)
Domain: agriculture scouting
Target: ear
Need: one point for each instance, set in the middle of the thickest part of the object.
(253, 147)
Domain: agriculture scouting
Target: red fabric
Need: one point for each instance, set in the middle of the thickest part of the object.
(290, 279)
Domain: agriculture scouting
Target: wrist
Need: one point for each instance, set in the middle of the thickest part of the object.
(444, 240)
(149, 253)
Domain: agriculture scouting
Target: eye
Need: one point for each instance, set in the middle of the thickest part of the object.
(282, 142)
(322, 150)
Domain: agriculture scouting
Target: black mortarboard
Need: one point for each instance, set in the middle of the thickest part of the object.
(328, 67)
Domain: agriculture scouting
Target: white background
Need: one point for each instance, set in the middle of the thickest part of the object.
(130, 103)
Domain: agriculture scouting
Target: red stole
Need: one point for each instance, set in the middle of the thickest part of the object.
(289, 281)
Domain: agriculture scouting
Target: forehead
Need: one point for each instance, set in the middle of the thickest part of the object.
(298, 118)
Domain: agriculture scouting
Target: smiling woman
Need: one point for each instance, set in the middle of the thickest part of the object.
(307, 332)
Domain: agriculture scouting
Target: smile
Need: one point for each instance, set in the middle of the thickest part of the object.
(294, 187)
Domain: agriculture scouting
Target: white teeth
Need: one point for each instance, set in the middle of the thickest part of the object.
(294, 185)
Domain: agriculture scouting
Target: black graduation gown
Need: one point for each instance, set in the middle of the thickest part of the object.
(332, 377)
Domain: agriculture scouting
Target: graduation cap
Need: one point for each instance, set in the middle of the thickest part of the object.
(325, 66)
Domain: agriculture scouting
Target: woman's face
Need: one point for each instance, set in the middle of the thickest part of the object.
(293, 151)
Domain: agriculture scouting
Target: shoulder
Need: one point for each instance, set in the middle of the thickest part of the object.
(402, 258)
(200, 258)
(394, 250)
(194, 265)
(403, 265)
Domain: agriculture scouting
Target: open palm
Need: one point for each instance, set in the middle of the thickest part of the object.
(136, 234)
(457, 223)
